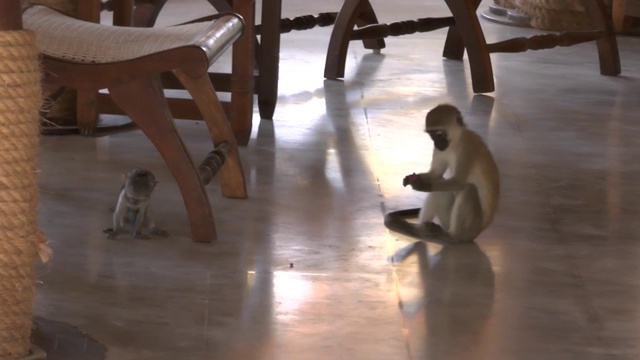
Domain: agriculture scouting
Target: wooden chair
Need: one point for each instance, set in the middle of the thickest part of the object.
(465, 32)
(129, 63)
(255, 64)
(622, 12)
(239, 83)
(266, 50)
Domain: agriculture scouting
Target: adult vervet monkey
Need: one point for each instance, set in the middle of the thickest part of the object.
(463, 182)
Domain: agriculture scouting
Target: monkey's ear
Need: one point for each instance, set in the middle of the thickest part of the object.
(460, 120)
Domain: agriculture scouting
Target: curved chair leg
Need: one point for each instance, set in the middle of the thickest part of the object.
(154, 119)
(231, 175)
(607, 45)
(353, 12)
(86, 112)
(464, 12)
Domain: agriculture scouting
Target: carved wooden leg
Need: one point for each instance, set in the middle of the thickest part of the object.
(267, 86)
(368, 17)
(607, 45)
(464, 11)
(154, 119)
(231, 175)
(353, 12)
(87, 112)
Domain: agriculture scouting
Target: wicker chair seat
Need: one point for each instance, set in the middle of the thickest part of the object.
(64, 37)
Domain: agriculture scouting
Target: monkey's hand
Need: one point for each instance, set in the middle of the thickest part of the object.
(409, 179)
(417, 183)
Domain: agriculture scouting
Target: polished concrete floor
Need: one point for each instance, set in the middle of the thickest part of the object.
(303, 269)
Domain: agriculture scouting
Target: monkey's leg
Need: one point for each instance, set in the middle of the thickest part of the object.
(139, 225)
(119, 216)
(437, 205)
(150, 226)
(466, 215)
(429, 231)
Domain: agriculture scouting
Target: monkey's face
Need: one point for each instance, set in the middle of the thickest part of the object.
(444, 124)
(440, 139)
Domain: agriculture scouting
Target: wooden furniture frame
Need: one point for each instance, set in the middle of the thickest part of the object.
(622, 11)
(239, 83)
(265, 52)
(465, 32)
(137, 78)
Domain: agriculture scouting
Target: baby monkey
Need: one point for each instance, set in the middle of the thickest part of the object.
(133, 206)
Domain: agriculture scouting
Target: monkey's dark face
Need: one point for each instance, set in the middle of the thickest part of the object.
(440, 139)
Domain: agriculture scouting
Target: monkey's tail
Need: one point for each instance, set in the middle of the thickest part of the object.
(397, 221)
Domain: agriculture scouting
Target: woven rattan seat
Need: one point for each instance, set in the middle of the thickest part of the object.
(129, 63)
(64, 37)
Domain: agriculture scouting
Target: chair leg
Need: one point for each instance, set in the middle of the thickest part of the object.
(242, 80)
(267, 86)
(607, 45)
(353, 12)
(453, 45)
(464, 12)
(154, 119)
(86, 112)
(231, 175)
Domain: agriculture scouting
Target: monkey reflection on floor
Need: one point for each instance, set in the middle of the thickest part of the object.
(133, 206)
(466, 200)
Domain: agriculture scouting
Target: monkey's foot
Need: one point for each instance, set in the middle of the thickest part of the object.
(111, 233)
(430, 229)
(141, 235)
(160, 232)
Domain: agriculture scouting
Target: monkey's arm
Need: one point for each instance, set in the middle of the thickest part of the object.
(459, 179)
(422, 181)
(451, 184)
(141, 219)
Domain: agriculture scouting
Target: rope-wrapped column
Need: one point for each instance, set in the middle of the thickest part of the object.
(20, 237)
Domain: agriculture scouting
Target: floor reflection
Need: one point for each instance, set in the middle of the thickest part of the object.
(446, 311)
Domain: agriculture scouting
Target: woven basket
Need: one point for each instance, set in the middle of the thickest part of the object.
(63, 111)
(556, 15)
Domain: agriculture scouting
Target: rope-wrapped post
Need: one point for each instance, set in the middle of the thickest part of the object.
(213, 162)
(20, 238)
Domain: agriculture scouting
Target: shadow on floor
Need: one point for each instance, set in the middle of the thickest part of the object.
(62, 341)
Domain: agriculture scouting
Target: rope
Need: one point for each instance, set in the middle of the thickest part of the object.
(20, 237)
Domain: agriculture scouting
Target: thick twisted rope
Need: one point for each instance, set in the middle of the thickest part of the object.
(20, 237)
